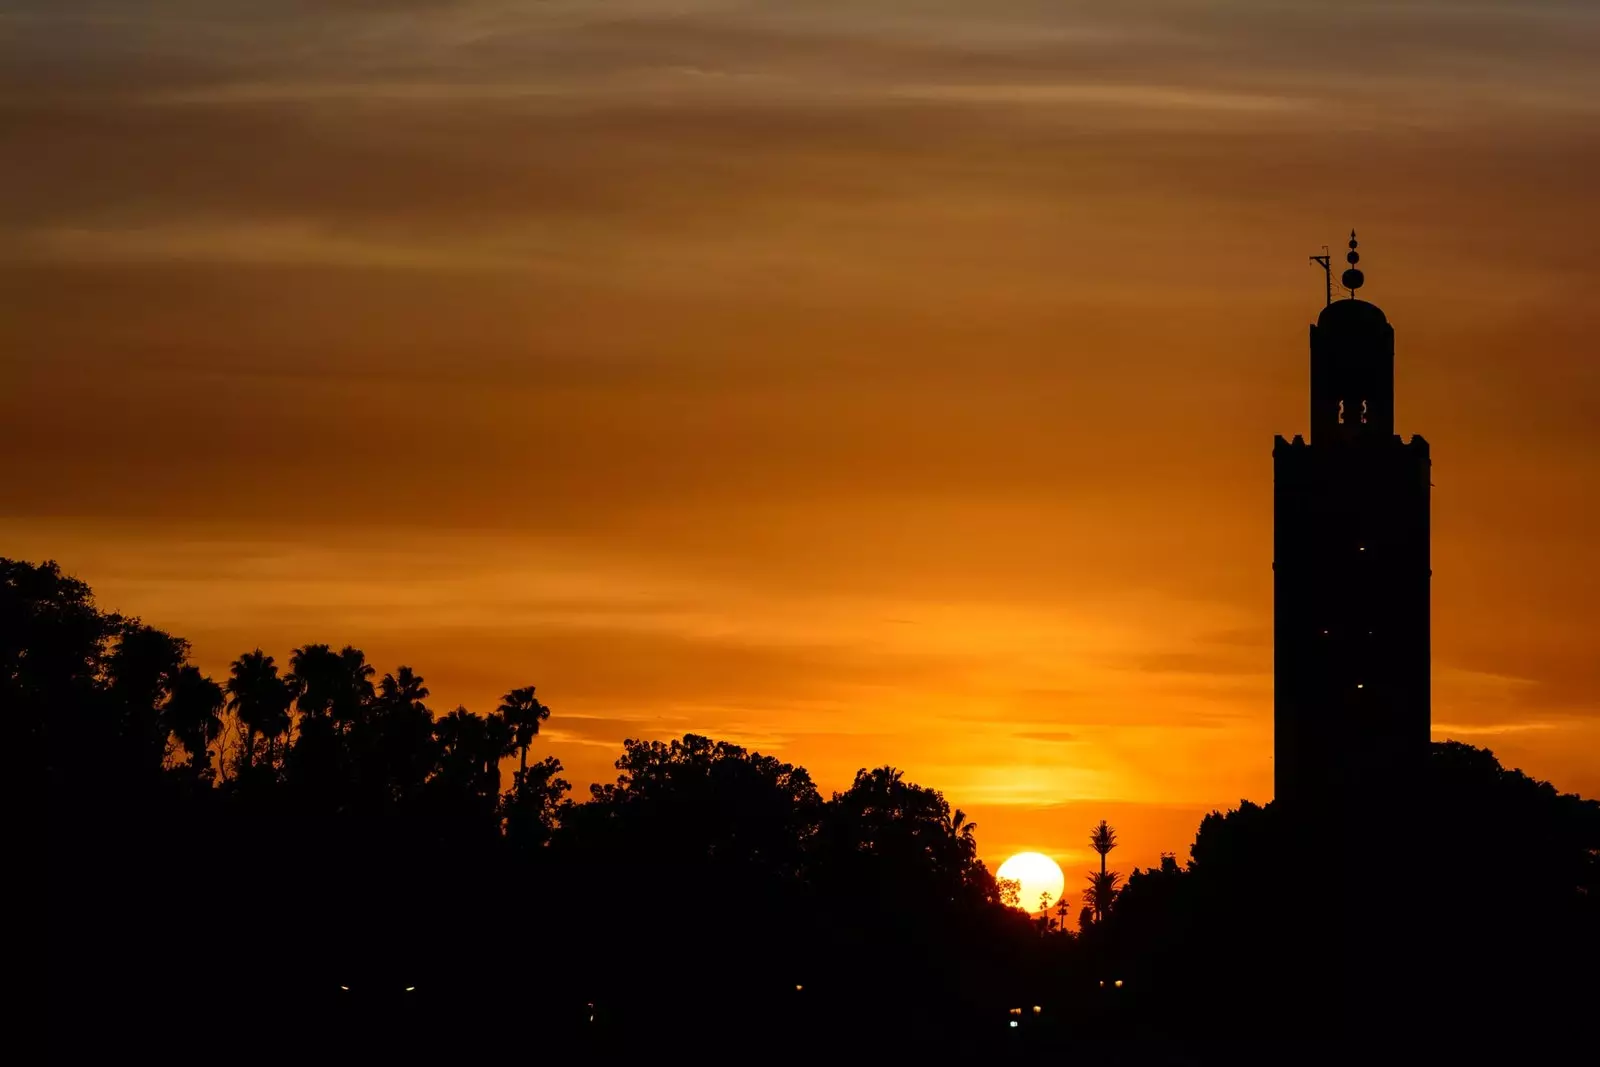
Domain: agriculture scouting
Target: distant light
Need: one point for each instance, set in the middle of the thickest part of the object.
(1363, 548)
(1361, 685)
(1102, 983)
(345, 988)
(1016, 1011)
(411, 989)
(1037, 1009)
(1013, 1024)
(1118, 983)
(1324, 631)
(798, 987)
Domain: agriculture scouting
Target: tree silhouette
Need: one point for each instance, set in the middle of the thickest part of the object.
(1102, 888)
(500, 741)
(905, 840)
(260, 700)
(524, 714)
(313, 680)
(139, 672)
(1102, 892)
(963, 832)
(193, 714)
(1103, 839)
(463, 743)
(359, 817)
(402, 741)
(533, 806)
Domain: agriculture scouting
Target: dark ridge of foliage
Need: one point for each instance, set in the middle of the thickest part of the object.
(227, 855)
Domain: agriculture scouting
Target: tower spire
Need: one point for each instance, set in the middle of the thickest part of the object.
(1352, 279)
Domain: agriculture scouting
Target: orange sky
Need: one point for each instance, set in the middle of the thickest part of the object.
(888, 381)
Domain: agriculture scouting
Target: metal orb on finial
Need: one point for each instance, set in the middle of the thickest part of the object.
(1352, 279)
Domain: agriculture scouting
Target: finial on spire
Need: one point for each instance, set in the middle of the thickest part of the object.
(1352, 279)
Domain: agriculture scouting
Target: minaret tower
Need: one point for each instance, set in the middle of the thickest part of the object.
(1351, 584)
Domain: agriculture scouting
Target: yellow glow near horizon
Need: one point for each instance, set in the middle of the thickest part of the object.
(1038, 876)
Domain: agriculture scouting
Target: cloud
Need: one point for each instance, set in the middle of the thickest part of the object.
(250, 245)
(1449, 730)
(1048, 736)
(1156, 97)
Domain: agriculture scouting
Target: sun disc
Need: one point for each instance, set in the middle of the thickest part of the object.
(1038, 878)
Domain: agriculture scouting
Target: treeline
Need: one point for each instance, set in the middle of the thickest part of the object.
(313, 843)
(317, 830)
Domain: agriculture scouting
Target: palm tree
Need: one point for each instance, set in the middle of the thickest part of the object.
(962, 832)
(470, 750)
(1063, 909)
(499, 741)
(1102, 886)
(1103, 839)
(404, 688)
(459, 736)
(1102, 892)
(354, 692)
(312, 680)
(885, 778)
(139, 674)
(333, 684)
(193, 714)
(260, 699)
(403, 733)
(524, 713)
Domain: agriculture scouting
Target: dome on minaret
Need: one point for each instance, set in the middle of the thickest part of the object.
(1351, 314)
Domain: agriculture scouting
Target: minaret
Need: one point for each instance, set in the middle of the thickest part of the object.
(1351, 588)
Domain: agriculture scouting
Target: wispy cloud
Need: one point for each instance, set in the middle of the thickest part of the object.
(249, 244)
(1152, 97)
(1445, 730)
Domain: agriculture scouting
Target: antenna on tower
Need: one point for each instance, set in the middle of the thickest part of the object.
(1325, 261)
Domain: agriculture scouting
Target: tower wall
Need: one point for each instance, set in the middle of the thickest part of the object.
(1352, 621)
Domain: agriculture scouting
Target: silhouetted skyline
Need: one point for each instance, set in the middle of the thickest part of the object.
(325, 842)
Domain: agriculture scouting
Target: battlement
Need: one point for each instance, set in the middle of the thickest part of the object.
(1280, 442)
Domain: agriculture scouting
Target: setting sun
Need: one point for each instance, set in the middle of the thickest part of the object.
(1037, 876)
